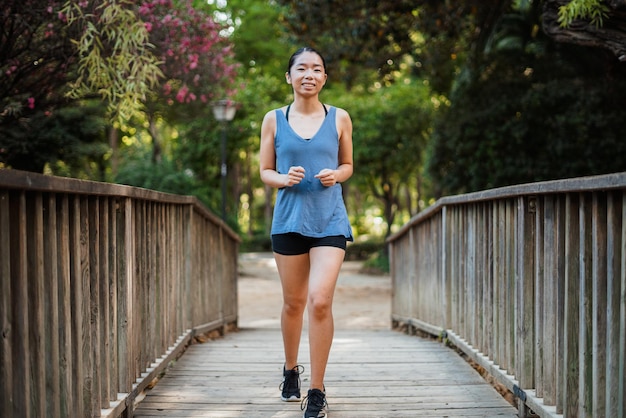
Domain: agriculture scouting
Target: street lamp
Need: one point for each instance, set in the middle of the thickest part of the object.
(224, 112)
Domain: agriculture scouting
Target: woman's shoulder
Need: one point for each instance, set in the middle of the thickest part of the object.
(340, 111)
(271, 114)
(341, 115)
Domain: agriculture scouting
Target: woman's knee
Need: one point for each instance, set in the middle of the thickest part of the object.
(294, 306)
(320, 306)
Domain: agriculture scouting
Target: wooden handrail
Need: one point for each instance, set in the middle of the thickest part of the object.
(530, 282)
(102, 286)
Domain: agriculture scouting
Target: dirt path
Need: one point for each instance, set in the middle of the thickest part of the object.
(361, 301)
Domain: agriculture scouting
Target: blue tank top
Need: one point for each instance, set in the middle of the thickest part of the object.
(309, 208)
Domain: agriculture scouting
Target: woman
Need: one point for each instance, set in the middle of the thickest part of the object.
(306, 152)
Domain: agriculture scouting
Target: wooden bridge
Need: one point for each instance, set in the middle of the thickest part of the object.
(104, 287)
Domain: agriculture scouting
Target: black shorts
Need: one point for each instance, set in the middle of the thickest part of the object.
(295, 244)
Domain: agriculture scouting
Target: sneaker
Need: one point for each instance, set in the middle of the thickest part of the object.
(315, 404)
(290, 386)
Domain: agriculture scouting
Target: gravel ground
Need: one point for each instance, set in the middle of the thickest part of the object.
(362, 301)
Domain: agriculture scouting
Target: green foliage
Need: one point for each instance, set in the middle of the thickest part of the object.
(391, 129)
(167, 175)
(354, 35)
(364, 250)
(594, 10)
(530, 117)
(71, 139)
(116, 59)
(260, 242)
(260, 41)
(377, 264)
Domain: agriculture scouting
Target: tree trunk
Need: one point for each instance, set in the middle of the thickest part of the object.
(114, 144)
(156, 143)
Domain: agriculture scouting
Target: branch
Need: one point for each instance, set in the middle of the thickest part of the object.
(611, 35)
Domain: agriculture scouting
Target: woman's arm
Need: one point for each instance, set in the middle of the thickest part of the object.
(344, 128)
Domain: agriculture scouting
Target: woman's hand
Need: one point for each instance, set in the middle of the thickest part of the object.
(327, 177)
(294, 176)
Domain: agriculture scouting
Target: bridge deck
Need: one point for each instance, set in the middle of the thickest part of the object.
(371, 373)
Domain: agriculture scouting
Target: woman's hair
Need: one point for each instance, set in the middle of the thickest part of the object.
(301, 51)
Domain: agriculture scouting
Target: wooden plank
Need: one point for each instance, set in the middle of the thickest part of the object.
(585, 384)
(35, 303)
(613, 282)
(569, 382)
(78, 365)
(549, 295)
(19, 311)
(509, 363)
(599, 301)
(67, 382)
(370, 374)
(92, 295)
(51, 303)
(622, 319)
(6, 334)
(103, 285)
(126, 263)
(539, 299)
(525, 291)
(115, 260)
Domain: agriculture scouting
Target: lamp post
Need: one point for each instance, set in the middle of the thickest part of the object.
(224, 112)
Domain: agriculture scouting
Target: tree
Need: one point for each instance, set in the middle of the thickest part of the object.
(36, 60)
(535, 110)
(262, 48)
(354, 35)
(595, 23)
(391, 128)
(195, 59)
(115, 58)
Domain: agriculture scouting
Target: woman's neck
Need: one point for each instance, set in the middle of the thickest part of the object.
(307, 106)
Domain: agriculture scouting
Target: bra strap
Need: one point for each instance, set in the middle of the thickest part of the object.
(289, 107)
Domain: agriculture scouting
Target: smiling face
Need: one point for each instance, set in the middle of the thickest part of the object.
(307, 74)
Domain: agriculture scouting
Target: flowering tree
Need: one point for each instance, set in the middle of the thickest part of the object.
(196, 60)
(115, 57)
(35, 57)
(158, 55)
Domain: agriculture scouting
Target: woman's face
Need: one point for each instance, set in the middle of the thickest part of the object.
(307, 75)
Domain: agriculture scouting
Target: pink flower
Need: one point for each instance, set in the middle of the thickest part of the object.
(193, 61)
(148, 26)
(31, 102)
(182, 93)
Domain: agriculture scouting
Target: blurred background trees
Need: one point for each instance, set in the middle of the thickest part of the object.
(446, 97)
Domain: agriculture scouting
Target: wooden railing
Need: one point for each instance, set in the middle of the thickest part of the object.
(102, 287)
(530, 282)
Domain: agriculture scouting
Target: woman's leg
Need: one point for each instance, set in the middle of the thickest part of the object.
(294, 276)
(324, 271)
